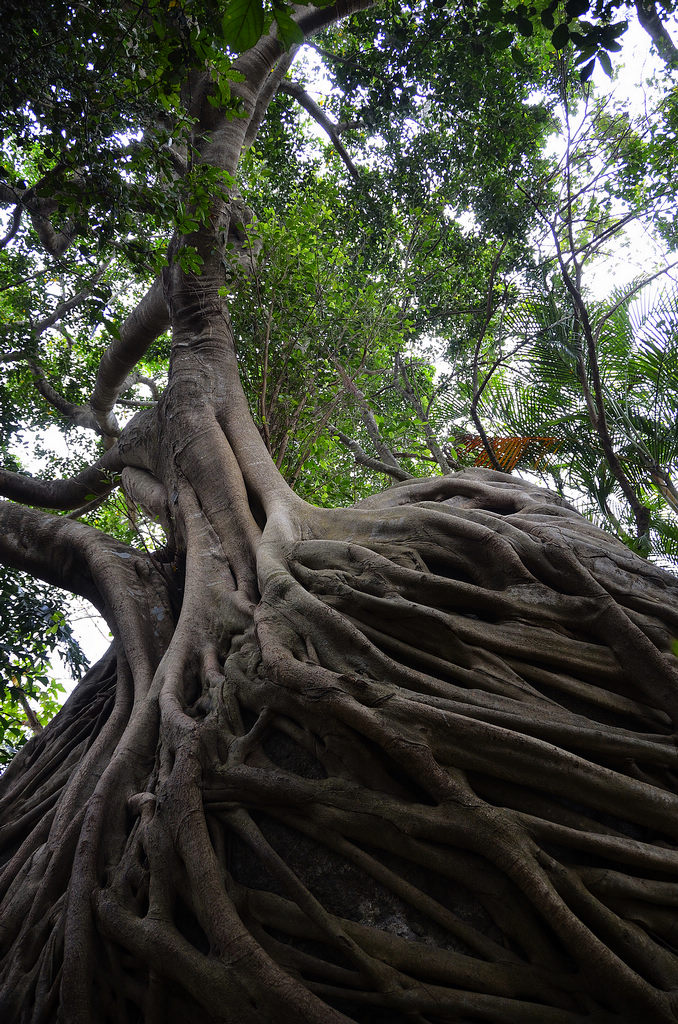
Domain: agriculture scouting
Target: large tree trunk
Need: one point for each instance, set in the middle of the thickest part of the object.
(409, 761)
(412, 760)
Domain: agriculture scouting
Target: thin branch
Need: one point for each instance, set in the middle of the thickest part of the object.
(13, 228)
(364, 459)
(12, 357)
(478, 389)
(438, 454)
(367, 416)
(80, 415)
(68, 304)
(311, 107)
(29, 712)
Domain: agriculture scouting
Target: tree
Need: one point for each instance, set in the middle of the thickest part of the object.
(591, 382)
(412, 759)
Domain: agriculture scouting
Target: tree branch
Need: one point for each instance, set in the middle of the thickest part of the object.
(55, 241)
(479, 388)
(368, 417)
(655, 28)
(81, 415)
(433, 446)
(318, 114)
(364, 459)
(47, 546)
(144, 324)
(13, 228)
(94, 481)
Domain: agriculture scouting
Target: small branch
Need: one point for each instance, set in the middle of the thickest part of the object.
(311, 107)
(367, 417)
(477, 387)
(68, 304)
(364, 459)
(29, 712)
(13, 228)
(415, 455)
(312, 438)
(80, 415)
(435, 449)
(640, 512)
(138, 378)
(84, 509)
(264, 379)
(595, 402)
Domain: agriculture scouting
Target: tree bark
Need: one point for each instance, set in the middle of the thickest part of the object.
(412, 761)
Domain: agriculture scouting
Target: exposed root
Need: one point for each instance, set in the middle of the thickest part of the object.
(429, 775)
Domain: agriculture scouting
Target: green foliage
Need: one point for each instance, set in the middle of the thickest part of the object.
(33, 632)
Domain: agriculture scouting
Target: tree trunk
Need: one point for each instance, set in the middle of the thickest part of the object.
(408, 761)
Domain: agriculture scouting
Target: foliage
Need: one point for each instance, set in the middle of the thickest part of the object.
(33, 633)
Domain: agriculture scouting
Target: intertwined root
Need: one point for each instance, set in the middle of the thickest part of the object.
(433, 780)
(464, 749)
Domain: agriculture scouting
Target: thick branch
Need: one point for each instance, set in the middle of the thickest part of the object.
(655, 28)
(94, 481)
(46, 546)
(144, 324)
(55, 241)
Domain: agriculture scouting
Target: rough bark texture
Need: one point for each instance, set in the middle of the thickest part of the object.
(410, 761)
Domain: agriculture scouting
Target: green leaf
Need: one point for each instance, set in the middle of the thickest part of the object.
(502, 40)
(585, 55)
(587, 71)
(605, 63)
(575, 8)
(289, 32)
(243, 24)
(560, 37)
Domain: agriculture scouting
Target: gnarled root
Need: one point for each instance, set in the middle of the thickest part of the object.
(432, 778)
